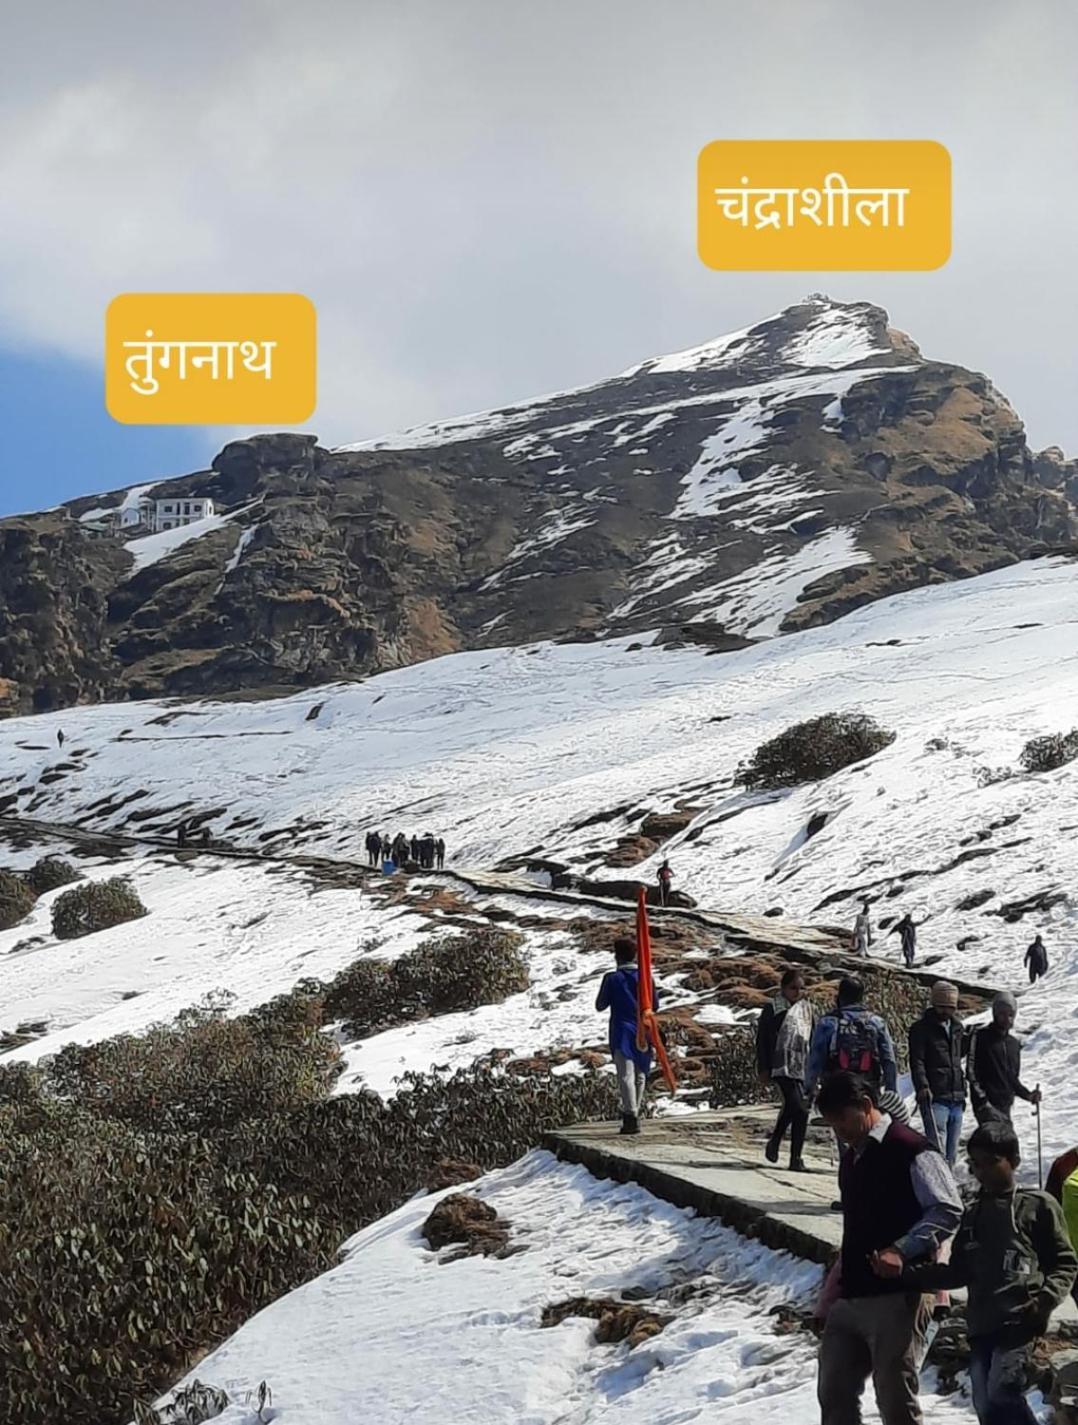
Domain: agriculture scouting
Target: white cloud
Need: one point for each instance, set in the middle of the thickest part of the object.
(486, 201)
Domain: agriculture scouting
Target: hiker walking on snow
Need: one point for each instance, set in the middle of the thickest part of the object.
(862, 931)
(1037, 960)
(414, 849)
(994, 1064)
(900, 1205)
(783, 1034)
(439, 852)
(852, 1040)
(937, 1047)
(664, 876)
(1014, 1255)
(60, 739)
(908, 932)
(618, 994)
(374, 848)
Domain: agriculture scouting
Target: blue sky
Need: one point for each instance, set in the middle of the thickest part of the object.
(58, 441)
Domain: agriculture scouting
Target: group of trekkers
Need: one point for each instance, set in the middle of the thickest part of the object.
(905, 1233)
(907, 1237)
(426, 852)
(1036, 957)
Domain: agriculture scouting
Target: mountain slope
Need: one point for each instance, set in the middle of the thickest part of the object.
(767, 481)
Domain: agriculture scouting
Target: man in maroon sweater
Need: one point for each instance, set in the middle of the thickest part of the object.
(899, 1205)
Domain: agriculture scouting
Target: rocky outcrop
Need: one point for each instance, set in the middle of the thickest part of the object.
(761, 483)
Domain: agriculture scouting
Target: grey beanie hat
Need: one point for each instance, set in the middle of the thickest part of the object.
(1005, 1000)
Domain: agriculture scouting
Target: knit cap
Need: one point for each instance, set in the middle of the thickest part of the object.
(944, 995)
(1005, 1000)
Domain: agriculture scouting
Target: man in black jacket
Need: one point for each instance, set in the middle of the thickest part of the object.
(994, 1064)
(899, 1205)
(1037, 960)
(937, 1046)
(783, 1034)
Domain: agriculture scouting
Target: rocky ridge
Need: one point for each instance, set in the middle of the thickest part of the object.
(770, 480)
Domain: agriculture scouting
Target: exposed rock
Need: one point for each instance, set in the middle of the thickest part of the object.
(548, 520)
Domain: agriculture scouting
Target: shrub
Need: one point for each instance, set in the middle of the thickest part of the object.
(16, 899)
(123, 1256)
(445, 973)
(129, 1247)
(810, 751)
(50, 873)
(95, 906)
(204, 1073)
(1045, 754)
(453, 972)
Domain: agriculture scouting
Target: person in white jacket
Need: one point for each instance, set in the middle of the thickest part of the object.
(862, 931)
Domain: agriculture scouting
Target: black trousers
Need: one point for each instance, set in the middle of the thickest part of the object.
(793, 1115)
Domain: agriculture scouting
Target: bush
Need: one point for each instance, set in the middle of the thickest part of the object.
(204, 1073)
(810, 751)
(454, 972)
(446, 973)
(155, 1195)
(1045, 754)
(95, 906)
(50, 873)
(124, 1256)
(16, 899)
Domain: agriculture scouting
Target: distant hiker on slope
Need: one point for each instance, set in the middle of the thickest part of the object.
(1013, 1253)
(908, 931)
(664, 876)
(937, 1045)
(374, 848)
(862, 931)
(899, 1205)
(60, 739)
(413, 847)
(783, 1034)
(994, 1064)
(852, 1040)
(1037, 960)
(617, 993)
(439, 852)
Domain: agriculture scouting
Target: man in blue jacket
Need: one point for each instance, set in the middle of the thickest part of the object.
(617, 993)
(852, 1040)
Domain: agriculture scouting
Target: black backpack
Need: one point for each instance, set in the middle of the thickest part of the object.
(855, 1047)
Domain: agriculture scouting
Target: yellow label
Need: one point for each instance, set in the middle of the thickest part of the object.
(814, 205)
(210, 358)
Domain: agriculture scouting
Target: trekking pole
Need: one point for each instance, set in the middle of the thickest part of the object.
(1040, 1152)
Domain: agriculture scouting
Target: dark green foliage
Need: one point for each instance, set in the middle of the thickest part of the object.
(49, 873)
(810, 751)
(95, 906)
(154, 1194)
(1045, 754)
(445, 973)
(16, 899)
(204, 1073)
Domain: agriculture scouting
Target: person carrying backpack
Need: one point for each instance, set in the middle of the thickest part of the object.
(852, 1040)
(783, 1032)
(1014, 1255)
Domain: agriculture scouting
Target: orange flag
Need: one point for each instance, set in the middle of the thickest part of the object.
(647, 1026)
